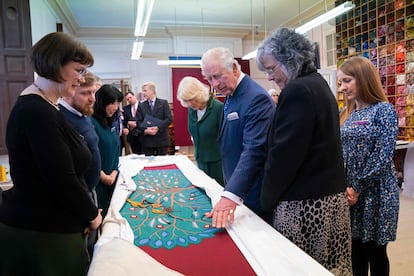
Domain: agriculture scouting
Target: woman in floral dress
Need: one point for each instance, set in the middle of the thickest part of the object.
(369, 128)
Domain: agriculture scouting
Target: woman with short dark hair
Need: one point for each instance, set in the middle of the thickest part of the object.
(44, 216)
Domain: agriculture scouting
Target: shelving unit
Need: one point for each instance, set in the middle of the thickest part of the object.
(383, 31)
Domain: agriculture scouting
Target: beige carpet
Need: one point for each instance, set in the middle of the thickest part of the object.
(401, 252)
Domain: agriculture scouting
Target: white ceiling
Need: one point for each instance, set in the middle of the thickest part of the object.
(117, 18)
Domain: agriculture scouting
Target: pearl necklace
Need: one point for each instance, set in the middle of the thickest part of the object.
(43, 94)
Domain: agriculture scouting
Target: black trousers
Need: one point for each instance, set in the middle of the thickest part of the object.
(369, 255)
(154, 151)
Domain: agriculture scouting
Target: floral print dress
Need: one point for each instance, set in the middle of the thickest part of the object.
(368, 140)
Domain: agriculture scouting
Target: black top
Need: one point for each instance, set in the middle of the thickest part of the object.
(47, 161)
(83, 125)
(304, 158)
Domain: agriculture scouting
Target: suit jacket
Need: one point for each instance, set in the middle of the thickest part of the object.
(205, 131)
(305, 154)
(242, 140)
(161, 111)
(128, 114)
(128, 117)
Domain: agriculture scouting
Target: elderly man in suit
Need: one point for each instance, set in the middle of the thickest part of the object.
(248, 110)
(153, 118)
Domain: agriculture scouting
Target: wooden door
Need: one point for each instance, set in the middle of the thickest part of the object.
(16, 72)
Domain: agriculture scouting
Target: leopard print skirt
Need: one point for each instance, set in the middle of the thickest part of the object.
(321, 228)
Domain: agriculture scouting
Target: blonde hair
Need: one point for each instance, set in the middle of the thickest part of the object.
(368, 84)
(191, 88)
(150, 85)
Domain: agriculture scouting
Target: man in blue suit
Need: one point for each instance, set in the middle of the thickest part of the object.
(248, 110)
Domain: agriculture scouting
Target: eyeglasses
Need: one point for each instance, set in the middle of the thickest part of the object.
(271, 70)
(82, 73)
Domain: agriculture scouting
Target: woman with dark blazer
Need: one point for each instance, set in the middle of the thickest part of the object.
(304, 179)
(204, 116)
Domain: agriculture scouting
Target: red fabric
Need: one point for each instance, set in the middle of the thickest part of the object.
(181, 134)
(215, 256)
(165, 167)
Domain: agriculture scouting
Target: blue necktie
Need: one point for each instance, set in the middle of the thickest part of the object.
(152, 105)
(226, 106)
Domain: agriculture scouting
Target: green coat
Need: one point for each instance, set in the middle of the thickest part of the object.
(205, 133)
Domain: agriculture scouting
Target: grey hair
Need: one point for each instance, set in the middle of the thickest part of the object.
(150, 85)
(224, 55)
(294, 51)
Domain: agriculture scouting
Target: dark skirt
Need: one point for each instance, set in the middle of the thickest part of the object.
(321, 228)
(28, 252)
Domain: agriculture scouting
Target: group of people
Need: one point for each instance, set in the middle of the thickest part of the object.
(324, 179)
(147, 122)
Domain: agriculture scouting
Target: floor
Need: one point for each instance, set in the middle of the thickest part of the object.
(400, 252)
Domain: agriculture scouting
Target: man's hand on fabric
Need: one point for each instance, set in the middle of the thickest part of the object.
(223, 213)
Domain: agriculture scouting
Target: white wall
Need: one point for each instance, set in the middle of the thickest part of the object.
(113, 62)
(42, 19)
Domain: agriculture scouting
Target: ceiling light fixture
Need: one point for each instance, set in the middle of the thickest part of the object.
(183, 61)
(250, 55)
(344, 7)
(137, 50)
(314, 23)
(144, 11)
(180, 61)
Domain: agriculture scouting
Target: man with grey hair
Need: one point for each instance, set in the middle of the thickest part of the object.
(153, 118)
(248, 110)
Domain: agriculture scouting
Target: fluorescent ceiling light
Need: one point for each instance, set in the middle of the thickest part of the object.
(314, 23)
(325, 17)
(172, 62)
(250, 55)
(137, 50)
(143, 16)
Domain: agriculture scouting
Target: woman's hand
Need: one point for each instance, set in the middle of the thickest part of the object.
(95, 223)
(352, 196)
(108, 180)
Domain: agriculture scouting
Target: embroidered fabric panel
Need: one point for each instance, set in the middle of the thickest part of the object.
(166, 210)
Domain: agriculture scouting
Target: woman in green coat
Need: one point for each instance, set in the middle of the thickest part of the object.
(204, 118)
